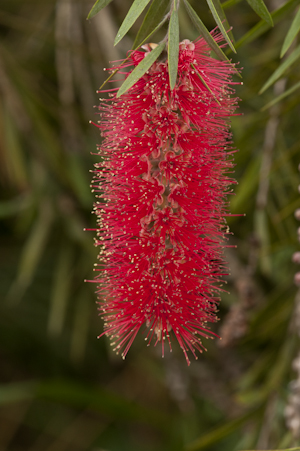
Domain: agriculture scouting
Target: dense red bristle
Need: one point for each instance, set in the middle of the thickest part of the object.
(164, 182)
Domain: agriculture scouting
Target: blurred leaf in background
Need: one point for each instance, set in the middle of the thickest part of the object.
(61, 388)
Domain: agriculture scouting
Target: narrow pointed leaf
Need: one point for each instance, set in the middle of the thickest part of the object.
(173, 48)
(205, 33)
(292, 33)
(281, 69)
(220, 24)
(154, 15)
(135, 48)
(100, 4)
(135, 11)
(282, 96)
(261, 10)
(140, 70)
(222, 15)
(205, 84)
(146, 39)
(230, 3)
(263, 26)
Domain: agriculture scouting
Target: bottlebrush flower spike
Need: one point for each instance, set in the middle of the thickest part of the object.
(163, 183)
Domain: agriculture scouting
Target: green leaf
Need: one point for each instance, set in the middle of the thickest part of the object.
(261, 10)
(204, 31)
(282, 96)
(135, 48)
(134, 12)
(281, 69)
(151, 32)
(154, 15)
(293, 31)
(204, 82)
(221, 14)
(212, 7)
(139, 71)
(263, 26)
(230, 3)
(173, 48)
(100, 4)
(206, 34)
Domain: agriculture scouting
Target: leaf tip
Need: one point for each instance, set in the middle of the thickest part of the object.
(118, 38)
(282, 53)
(121, 91)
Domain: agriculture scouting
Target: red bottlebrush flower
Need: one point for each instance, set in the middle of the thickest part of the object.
(163, 179)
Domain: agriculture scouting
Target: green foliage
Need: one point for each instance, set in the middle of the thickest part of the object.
(260, 8)
(204, 31)
(281, 96)
(141, 69)
(152, 18)
(100, 4)
(173, 47)
(155, 14)
(218, 13)
(61, 388)
(135, 11)
(291, 59)
(291, 34)
(261, 27)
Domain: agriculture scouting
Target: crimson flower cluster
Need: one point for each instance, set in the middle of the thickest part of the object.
(163, 180)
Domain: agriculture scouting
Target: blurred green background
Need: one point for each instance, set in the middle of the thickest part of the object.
(61, 388)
